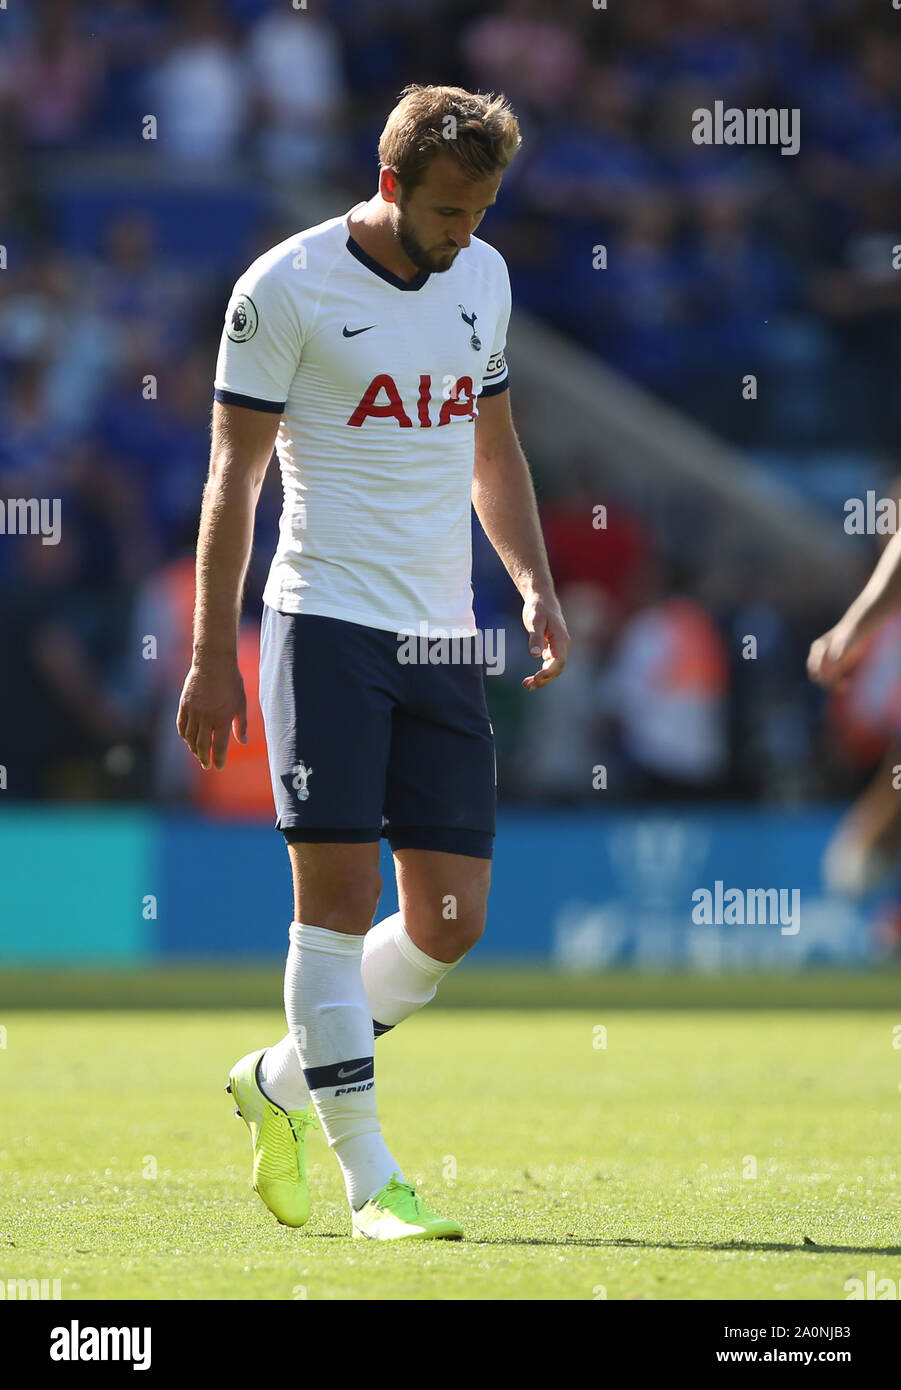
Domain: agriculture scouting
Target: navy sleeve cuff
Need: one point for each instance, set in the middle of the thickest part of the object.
(497, 388)
(251, 402)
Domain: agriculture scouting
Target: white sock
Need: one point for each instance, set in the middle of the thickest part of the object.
(399, 979)
(330, 1023)
(281, 1076)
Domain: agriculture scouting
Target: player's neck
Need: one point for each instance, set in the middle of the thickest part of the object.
(370, 226)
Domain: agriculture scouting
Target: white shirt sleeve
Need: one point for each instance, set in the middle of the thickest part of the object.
(496, 378)
(261, 344)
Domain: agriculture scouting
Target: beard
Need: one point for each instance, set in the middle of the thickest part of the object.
(433, 261)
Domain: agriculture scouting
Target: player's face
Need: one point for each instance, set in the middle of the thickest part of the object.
(436, 221)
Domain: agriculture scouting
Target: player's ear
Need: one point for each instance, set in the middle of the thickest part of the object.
(388, 185)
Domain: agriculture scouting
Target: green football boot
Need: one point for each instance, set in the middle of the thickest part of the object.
(279, 1144)
(397, 1212)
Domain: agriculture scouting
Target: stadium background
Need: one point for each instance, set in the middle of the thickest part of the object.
(721, 262)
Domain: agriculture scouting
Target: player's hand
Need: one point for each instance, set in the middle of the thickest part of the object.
(834, 655)
(212, 706)
(548, 639)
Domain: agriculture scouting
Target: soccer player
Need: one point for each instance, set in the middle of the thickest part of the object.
(370, 351)
(863, 849)
(837, 652)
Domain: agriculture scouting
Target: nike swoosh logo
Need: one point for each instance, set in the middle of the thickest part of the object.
(352, 332)
(344, 1074)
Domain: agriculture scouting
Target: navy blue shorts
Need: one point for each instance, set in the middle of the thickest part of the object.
(362, 745)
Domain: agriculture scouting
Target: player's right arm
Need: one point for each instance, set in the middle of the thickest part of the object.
(834, 654)
(212, 702)
(259, 352)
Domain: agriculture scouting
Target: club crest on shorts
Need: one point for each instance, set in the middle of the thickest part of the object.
(241, 318)
(475, 341)
(302, 775)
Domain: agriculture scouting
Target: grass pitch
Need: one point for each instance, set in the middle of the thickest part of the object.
(697, 1155)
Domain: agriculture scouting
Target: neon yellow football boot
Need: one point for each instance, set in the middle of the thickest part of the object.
(397, 1212)
(279, 1144)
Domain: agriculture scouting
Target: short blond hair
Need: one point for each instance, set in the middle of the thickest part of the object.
(476, 129)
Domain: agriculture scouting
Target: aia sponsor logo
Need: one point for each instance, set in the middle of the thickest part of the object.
(382, 401)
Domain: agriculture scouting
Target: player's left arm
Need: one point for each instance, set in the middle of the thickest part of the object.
(504, 498)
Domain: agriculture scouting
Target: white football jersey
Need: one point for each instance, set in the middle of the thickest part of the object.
(376, 381)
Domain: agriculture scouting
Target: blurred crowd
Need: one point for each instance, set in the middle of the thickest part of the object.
(149, 150)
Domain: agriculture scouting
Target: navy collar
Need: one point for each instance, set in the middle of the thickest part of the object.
(364, 258)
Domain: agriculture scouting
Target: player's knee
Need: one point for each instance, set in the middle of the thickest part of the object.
(354, 902)
(470, 937)
(467, 924)
(336, 886)
(346, 906)
(468, 929)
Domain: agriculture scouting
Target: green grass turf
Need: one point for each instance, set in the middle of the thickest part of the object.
(575, 1168)
(254, 984)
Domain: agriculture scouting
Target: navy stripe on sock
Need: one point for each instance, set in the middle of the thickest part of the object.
(380, 1028)
(340, 1073)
